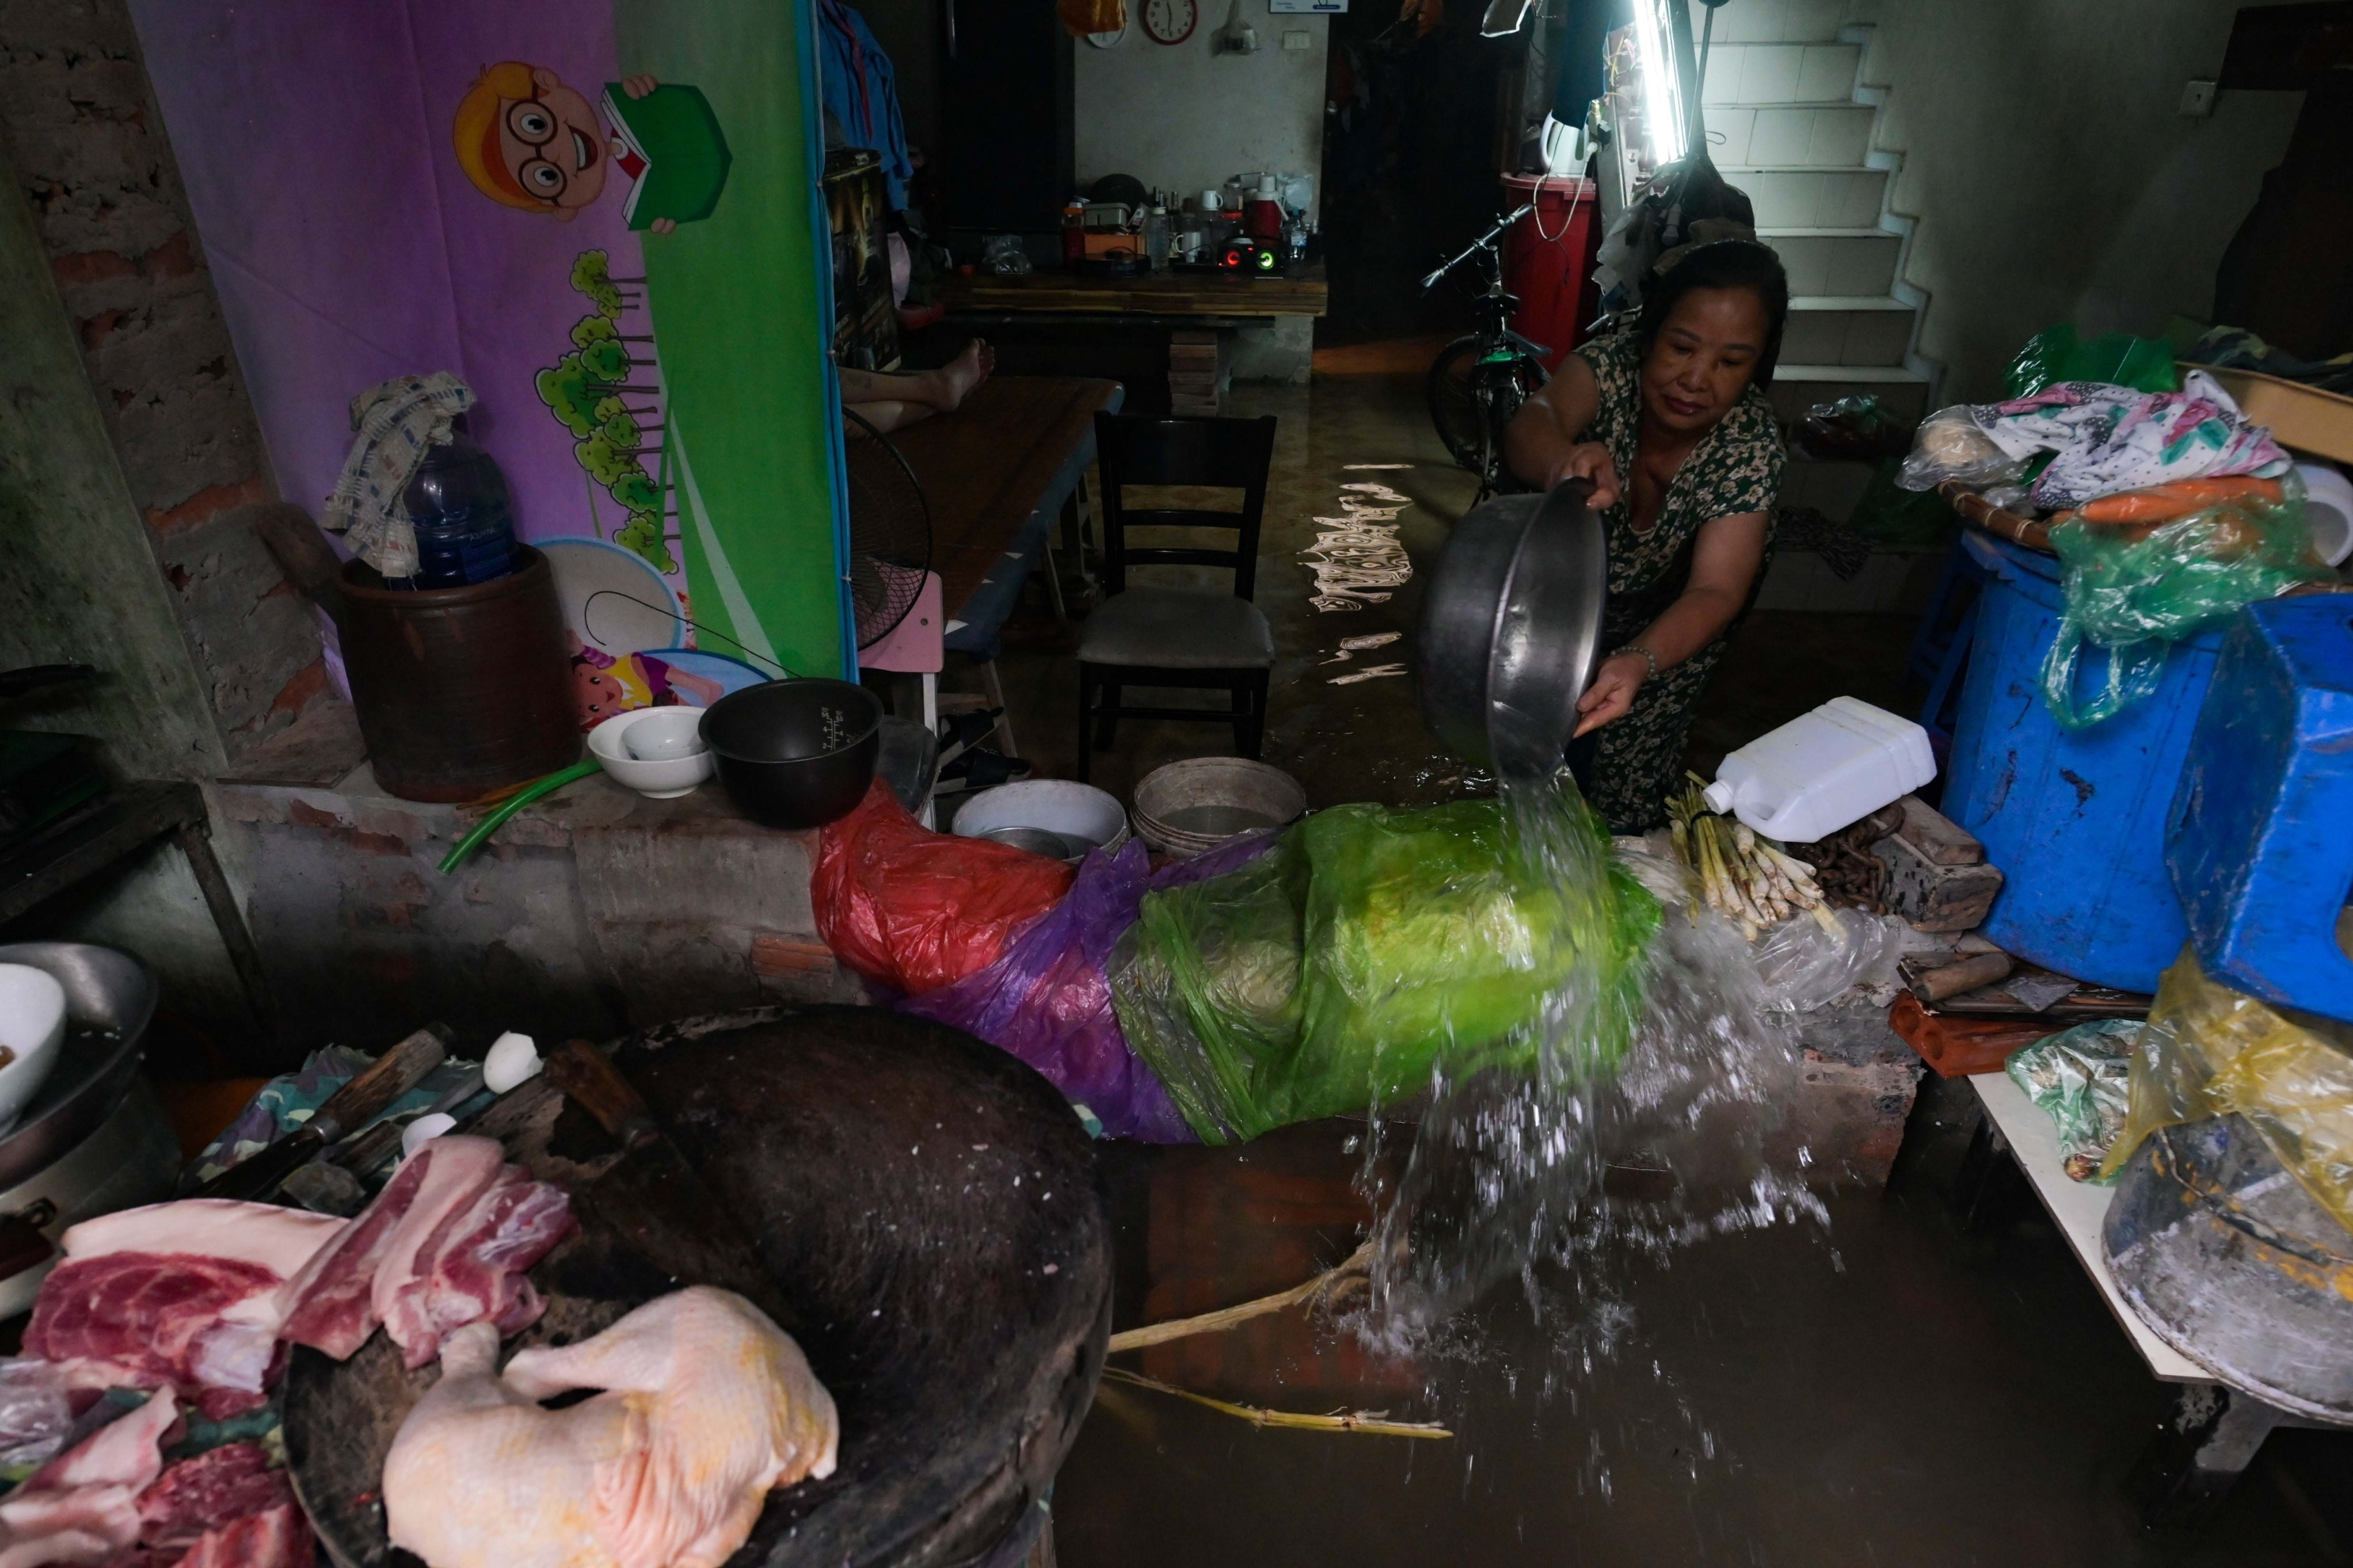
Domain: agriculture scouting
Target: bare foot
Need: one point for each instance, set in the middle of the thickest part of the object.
(955, 379)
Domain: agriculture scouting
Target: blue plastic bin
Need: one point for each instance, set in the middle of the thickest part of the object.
(2258, 841)
(2076, 820)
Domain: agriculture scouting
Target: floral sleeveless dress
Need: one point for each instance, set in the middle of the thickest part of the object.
(1736, 468)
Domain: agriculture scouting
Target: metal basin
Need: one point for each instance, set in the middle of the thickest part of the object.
(1510, 629)
(109, 998)
(2233, 1264)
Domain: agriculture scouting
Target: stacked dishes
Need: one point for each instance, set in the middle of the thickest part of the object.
(1190, 807)
(1056, 817)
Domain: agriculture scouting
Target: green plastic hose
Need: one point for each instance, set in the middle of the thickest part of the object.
(497, 819)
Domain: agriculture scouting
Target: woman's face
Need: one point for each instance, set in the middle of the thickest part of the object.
(1703, 359)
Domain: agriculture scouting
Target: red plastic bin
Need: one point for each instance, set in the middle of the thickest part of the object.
(1548, 259)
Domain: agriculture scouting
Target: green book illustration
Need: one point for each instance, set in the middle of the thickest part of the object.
(672, 150)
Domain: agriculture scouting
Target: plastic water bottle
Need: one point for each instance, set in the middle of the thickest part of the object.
(464, 522)
(1825, 771)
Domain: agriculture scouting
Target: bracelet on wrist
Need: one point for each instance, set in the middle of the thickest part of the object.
(1649, 659)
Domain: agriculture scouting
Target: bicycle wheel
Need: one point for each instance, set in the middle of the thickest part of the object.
(1499, 384)
(1454, 406)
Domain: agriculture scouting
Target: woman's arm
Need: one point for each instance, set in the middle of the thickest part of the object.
(1725, 562)
(1541, 442)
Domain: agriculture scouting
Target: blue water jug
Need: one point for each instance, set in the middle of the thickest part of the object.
(2257, 840)
(465, 521)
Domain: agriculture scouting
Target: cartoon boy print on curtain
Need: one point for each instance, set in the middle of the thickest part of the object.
(529, 142)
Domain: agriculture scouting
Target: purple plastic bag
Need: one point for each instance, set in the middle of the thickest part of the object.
(1047, 1001)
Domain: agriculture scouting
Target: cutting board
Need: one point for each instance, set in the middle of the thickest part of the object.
(930, 1207)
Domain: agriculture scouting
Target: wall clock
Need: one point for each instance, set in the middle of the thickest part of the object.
(1170, 21)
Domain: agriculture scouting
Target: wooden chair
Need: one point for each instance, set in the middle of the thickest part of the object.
(1177, 636)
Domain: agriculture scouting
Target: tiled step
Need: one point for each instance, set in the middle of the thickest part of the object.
(1835, 329)
(1814, 198)
(1799, 135)
(1848, 261)
(1774, 22)
(1780, 73)
(1798, 387)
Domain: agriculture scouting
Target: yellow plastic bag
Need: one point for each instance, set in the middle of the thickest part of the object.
(2209, 1050)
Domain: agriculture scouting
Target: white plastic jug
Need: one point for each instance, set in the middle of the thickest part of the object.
(1823, 772)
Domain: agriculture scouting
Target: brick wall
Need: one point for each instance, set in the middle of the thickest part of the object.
(86, 142)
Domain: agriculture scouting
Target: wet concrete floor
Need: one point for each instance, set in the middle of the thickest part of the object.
(1890, 1390)
(1884, 1391)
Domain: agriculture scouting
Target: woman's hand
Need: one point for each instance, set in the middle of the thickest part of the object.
(1587, 460)
(1611, 695)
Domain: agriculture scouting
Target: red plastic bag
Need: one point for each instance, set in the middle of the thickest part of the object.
(918, 910)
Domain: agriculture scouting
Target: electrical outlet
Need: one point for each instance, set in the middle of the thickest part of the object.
(1295, 40)
(2198, 100)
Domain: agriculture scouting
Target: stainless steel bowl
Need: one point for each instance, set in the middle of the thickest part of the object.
(1511, 628)
(109, 998)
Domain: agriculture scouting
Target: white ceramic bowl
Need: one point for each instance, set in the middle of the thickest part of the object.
(32, 1027)
(1082, 813)
(662, 779)
(2328, 511)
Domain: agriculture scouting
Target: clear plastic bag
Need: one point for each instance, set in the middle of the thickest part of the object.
(2056, 353)
(1951, 445)
(1002, 254)
(2135, 589)
(35, 1412)
(1369, 946)
(2213, 1051)
(2080, 1077)
(1803, 967)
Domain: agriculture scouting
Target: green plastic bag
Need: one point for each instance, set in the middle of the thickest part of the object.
(1370, 947)
(2118, 359)
(2134, 591)
(2081, 1075)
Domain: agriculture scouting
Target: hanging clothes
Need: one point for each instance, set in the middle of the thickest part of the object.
(861, 92)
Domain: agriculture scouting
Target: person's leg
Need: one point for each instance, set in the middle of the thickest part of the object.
(942, 390)
(884, 417)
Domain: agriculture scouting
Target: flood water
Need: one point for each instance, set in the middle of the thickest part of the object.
(1873, 1388)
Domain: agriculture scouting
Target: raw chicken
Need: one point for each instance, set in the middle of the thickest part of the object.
(83, 1505)
(444, 1244)
(708, 1406)
(181, 1294)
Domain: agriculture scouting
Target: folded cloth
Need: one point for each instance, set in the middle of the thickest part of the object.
(2106, 438)
(397, 421)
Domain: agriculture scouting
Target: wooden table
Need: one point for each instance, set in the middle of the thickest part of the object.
(2213, 1430)
(1230, 297)
(1019, 445)
(1196, 311)
(997, 473)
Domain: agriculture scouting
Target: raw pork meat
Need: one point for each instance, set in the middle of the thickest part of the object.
(278, 1240)
(83, 1505)
(278, 1539)
(707, 1407)
(471, 1268)
(183, 1294)
(445, 1243)
(209, 1492)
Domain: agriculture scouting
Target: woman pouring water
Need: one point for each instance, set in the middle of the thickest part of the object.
(1669, 420)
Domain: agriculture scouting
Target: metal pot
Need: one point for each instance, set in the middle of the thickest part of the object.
(795, 754)
(1511, 628)
(94, 1139)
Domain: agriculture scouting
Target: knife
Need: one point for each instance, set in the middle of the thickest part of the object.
(653, 1197)
(361, 1100)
